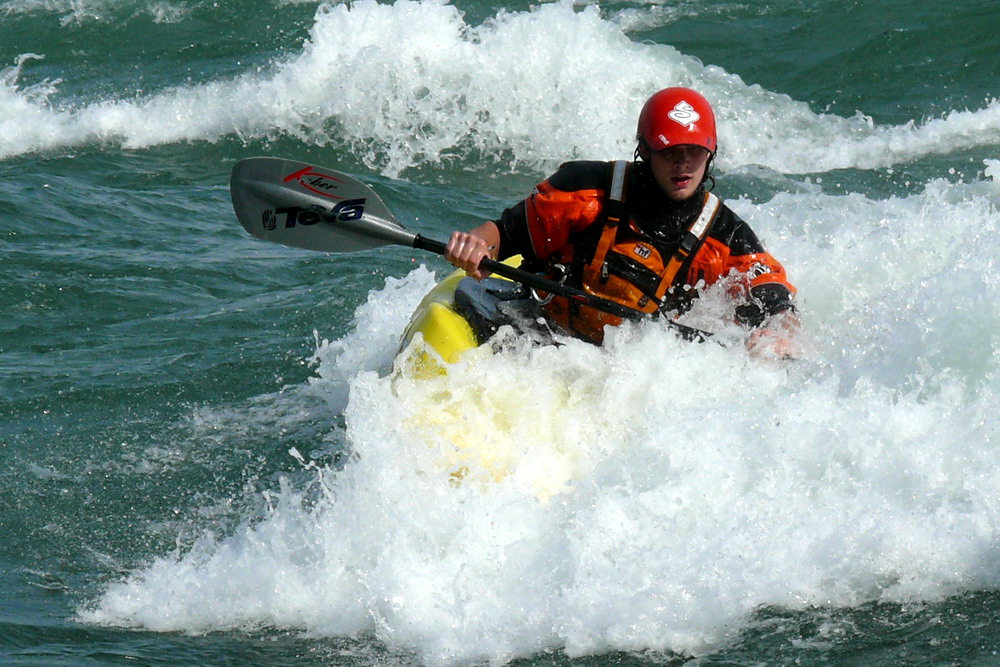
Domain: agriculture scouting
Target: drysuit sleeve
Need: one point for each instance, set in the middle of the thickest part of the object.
(514, 238)
(759, 284)
(567, 202)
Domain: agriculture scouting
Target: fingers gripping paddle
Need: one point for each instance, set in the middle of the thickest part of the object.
(303, 206)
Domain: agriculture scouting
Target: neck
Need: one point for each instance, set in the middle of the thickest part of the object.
(657, 214)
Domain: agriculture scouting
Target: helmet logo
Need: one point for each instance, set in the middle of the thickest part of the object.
(684, 114)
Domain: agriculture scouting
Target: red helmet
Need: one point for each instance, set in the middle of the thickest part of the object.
(676, 116)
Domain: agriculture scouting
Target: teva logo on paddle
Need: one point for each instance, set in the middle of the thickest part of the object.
(349, 209)
(314, 181)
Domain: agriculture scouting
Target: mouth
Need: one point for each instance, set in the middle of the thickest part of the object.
(681, 181)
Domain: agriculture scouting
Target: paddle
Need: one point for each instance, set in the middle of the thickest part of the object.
(304, 206)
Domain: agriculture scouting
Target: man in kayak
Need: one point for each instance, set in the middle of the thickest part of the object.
(647, 234)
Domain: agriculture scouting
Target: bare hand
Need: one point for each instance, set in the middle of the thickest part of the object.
(466, 251)
(777, 338)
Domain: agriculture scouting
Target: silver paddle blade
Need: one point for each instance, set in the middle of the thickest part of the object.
(304, 206)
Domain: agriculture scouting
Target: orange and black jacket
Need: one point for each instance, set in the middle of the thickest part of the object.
(565, 225)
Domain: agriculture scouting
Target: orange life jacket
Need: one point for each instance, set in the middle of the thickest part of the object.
(625, 266)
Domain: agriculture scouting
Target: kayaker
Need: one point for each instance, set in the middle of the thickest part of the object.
(647, 234)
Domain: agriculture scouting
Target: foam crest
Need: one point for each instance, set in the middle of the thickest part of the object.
(894, 288)
(790, 139)
(77, 12)
(18, 103)
(441, 90)
(684, 517)
(374, 340)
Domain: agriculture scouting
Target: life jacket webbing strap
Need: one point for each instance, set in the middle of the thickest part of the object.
(614, 210)
(699, 228)
(618, 181)
(701, 224)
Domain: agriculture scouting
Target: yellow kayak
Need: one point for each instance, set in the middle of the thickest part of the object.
(457, 315)
(473, 428)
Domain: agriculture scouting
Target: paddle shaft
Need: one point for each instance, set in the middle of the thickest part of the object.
(303, 206)
(539, 282)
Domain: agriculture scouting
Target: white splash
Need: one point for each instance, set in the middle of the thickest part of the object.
(79, 12)
(701, 485)
(441, 89)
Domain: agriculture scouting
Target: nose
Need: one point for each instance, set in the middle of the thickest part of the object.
(686, 155)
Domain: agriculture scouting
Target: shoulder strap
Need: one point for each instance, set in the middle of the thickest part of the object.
(614, 210)
(692, 239)
(617, 189)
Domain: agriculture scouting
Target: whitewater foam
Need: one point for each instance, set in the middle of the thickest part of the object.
(700, 484)
(79, 12)
(778, 491)
(441, 91)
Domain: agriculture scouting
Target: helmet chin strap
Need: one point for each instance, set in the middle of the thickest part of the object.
(641, 151)
(708, 180)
